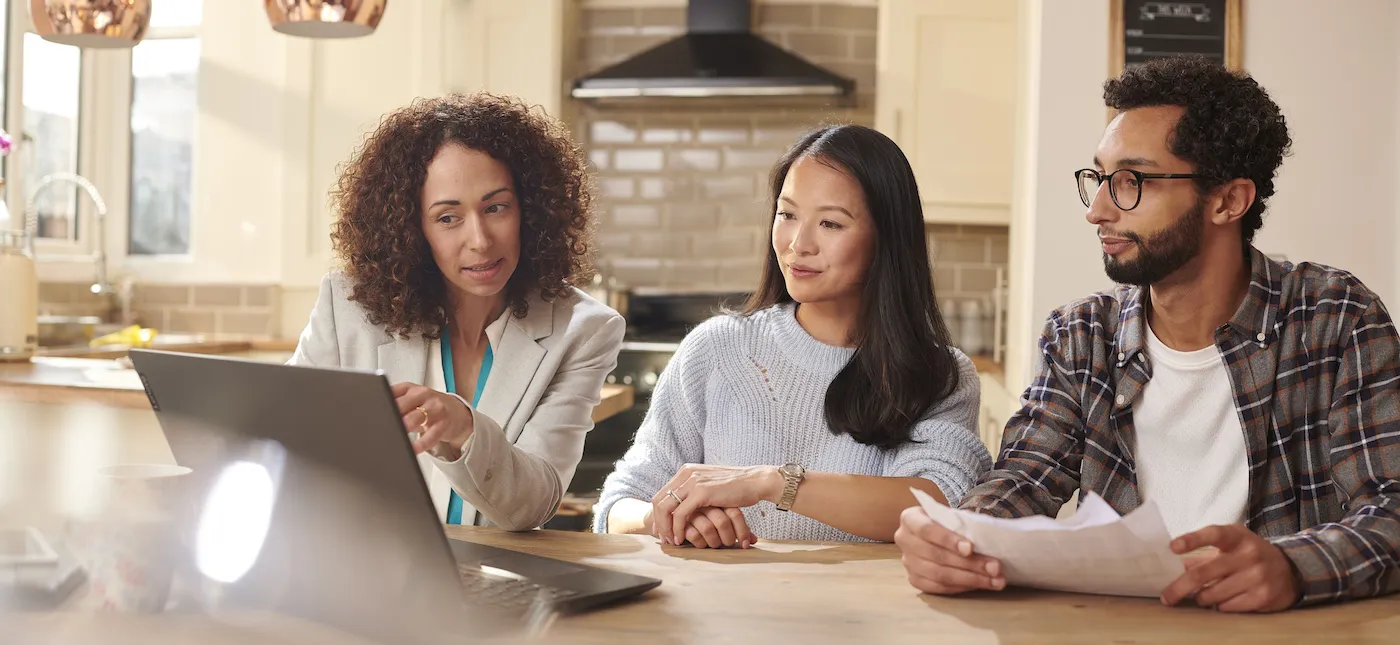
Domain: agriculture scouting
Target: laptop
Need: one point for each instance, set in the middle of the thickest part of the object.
(353, 537)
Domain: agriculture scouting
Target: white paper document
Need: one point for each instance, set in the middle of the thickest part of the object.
(1096, 550)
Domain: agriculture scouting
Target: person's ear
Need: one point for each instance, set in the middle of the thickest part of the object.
(1232, 200)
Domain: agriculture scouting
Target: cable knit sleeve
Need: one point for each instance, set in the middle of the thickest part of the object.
(946, 448)
(671, 433)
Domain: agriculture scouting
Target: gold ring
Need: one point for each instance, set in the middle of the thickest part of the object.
(424, 424)
(674, 496)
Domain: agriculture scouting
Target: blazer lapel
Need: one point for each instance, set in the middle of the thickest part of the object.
(404, 360)
(514, 365)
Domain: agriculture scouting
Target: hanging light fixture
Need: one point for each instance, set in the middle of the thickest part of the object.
(106, 24)
(325, 18)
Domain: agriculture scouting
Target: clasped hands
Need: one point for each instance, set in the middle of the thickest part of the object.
(703, 504)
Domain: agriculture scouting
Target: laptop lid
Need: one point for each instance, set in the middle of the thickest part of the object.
(352, 539)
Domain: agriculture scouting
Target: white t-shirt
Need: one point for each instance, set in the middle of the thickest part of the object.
(1191, 455)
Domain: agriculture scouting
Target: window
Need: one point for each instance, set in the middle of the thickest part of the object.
(49, 142)
(124, 119)
(164, 102)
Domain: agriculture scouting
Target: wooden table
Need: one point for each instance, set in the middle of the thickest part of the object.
(793, 592)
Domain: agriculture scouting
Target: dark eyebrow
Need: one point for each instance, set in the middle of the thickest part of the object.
(1136, 161)
(444, 202)
(831, 207)
(494, 193)
(837, 209)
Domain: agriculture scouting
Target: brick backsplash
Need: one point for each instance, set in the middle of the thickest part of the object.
(683, 187)
(231, 310)
(965, 262)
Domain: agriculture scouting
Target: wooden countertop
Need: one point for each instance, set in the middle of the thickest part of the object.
(49, 379)
(985, 365)
(798, 592)
(188, 343)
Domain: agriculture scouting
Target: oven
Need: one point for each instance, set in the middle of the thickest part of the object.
(656, 323)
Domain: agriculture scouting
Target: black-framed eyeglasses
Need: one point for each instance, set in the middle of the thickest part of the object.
(1124, 185)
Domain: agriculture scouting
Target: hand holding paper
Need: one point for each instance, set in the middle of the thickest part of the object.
(1094, 551)
(940, 561)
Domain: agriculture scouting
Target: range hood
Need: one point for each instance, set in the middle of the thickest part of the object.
(717, 57)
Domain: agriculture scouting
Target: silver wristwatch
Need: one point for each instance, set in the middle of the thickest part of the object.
(793, 473)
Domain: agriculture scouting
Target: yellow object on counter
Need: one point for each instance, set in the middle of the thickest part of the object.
(134, 336)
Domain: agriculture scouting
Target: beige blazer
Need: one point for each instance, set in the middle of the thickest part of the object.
(546, 377)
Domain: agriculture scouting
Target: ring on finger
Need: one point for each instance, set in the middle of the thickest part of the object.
(424, 424)
(672, 494)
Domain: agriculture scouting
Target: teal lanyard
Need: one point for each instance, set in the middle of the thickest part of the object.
(454, 507)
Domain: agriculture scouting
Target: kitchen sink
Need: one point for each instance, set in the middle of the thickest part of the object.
(72, 331)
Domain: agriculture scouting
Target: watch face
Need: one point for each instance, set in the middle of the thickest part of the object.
(791, 470)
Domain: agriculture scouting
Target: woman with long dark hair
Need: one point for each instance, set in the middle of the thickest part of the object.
(811, 413)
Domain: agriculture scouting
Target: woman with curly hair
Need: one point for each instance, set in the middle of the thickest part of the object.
(464, 225)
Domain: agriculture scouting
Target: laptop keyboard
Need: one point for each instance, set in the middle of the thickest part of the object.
(507, 593)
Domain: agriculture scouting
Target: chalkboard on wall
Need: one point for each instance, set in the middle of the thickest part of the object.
(1141, 30)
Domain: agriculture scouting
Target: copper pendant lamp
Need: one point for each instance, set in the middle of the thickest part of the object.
(105, 24)
(325, 18)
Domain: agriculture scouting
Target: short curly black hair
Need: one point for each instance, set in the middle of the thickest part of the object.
(1230, 129)
(379, 236)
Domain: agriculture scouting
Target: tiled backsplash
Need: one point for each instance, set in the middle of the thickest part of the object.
(242, 310)
(683, 187)
(965, 263)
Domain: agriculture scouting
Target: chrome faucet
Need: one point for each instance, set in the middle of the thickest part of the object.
(100, 287)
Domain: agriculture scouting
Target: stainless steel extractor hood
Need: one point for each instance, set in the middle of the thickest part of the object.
(717, 57)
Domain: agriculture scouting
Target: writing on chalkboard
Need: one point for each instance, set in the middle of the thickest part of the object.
(1157, 29)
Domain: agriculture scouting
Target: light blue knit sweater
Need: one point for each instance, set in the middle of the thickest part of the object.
(750, 391)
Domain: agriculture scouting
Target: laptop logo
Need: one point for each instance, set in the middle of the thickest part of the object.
(150, 396)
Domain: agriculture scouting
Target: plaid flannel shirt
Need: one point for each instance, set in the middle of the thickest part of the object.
(1314, 362)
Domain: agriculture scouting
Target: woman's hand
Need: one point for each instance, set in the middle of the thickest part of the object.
(697, 486)
(716, 528)
(439, 418)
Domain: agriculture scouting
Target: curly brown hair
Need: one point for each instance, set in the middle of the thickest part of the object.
(379, 234)
(1230, 128)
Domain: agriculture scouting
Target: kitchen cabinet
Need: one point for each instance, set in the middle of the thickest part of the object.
(946, 92)
(998, 405)
(521, 48)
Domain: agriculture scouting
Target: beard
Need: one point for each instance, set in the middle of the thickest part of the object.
(1162, 253)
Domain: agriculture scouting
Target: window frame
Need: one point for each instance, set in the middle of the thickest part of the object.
(104, 158)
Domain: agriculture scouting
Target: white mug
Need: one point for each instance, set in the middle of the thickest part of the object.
(138, 540)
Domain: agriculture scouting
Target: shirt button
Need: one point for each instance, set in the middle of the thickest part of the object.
(1122, 357)
(1121, 399)
(1259, 338)
(488, 475)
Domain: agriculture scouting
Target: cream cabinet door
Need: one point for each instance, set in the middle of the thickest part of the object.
(946, 92)
(520, 48)
(997, 407)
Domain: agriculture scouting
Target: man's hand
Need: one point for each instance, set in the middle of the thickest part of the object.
(1246, 574)
(940, 561)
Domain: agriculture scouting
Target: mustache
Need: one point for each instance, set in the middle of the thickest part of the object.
(1131, 237)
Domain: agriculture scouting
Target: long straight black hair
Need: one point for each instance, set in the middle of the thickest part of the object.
(902, 367)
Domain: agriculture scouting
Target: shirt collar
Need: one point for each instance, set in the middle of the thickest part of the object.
(1255, 317)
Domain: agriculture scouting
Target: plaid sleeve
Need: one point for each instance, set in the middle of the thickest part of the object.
(1359, 556)
(1038, 468)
